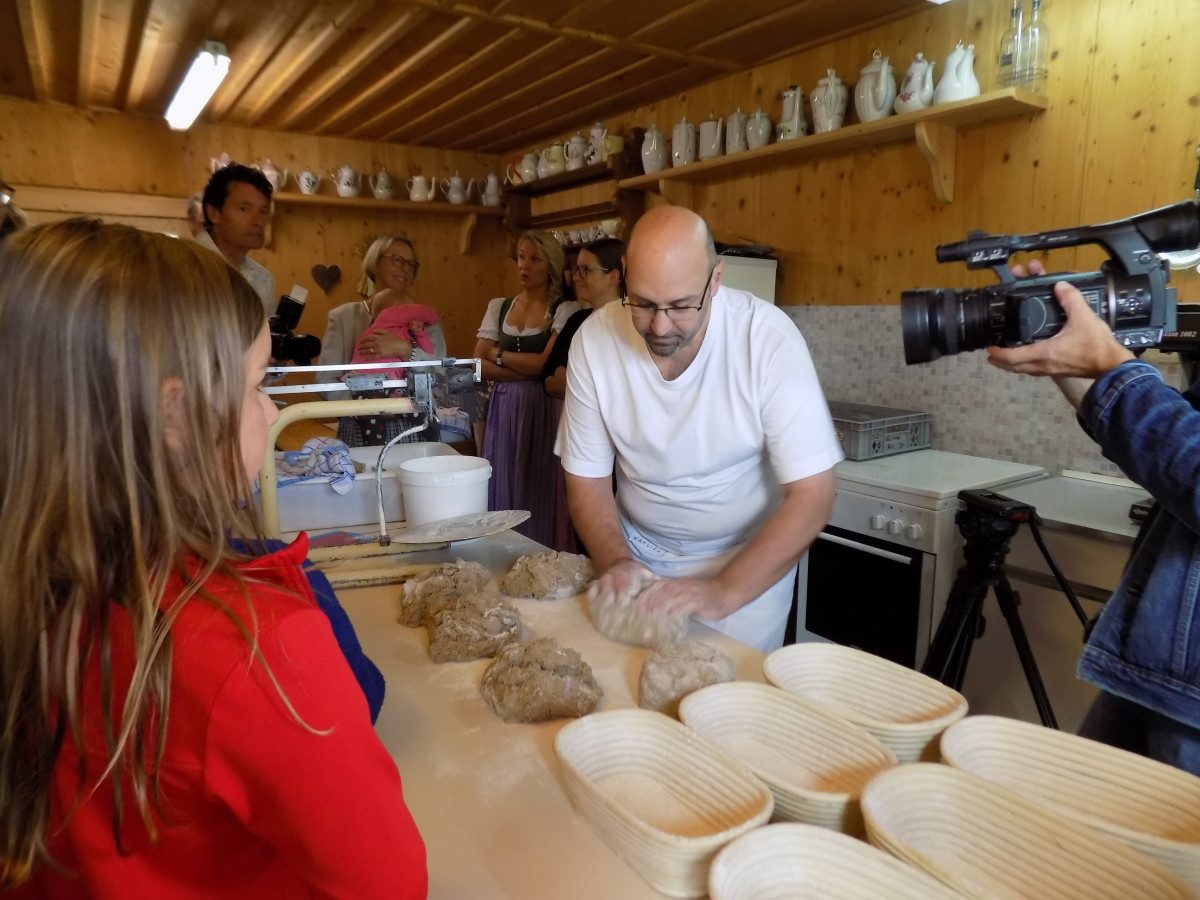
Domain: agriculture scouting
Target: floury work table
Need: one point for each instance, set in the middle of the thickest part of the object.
(488, 796)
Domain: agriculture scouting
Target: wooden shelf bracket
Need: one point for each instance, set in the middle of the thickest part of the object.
(939, 144)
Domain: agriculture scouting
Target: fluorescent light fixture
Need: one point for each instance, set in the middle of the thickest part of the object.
(939, 2)
(201, 82)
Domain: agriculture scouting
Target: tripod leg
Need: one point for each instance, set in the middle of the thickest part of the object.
(1008, 606)
(951, 645)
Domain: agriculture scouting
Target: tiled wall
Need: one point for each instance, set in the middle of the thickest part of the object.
(977, 409)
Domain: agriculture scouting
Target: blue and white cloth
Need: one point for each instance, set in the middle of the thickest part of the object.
(319, 458)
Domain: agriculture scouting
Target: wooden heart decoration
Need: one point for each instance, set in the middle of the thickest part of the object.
(326, 276)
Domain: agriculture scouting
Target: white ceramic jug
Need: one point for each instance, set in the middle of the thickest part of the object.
(382, 185)
(828, 101)
(958, 76)
(455, 190)
(276, 176)
(683, 143)
(792, 124)
(916, 90)
(489, 193)
(308, 181)
(758, 130)
(595, 147)
(348, 181)
(876, 89)
(577, 148)
(711, 132)
(654, 150)
(220, 162)
(554, 158)
(421, 188)
(735, 131)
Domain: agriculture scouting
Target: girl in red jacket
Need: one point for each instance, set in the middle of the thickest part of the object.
(179, 721)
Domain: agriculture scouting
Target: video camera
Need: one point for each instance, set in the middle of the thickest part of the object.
(285, 343)
(1129, 291)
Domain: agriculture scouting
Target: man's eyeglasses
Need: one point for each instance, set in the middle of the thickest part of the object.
(582, 271)
(644, 312)
(411, 264)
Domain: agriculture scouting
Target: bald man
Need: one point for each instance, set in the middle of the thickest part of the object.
(705, 402)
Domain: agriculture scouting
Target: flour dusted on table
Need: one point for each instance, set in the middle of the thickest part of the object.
(539, 681)
(673, 671)
(548, 575)
(430, 591)
(472, 627)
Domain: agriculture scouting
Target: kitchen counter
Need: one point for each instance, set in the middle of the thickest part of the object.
(1073, 502)
(488, 796)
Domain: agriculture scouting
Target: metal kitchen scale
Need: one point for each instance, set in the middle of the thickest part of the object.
(418, 384)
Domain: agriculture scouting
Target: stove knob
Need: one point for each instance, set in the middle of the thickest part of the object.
(895, 526)
(877, 522)
(914, 532)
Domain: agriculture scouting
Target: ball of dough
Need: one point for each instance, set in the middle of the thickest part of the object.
(624, 621)
(472, 627)
(672, 672)
(540, 681)
(549, 575)
(430, 591)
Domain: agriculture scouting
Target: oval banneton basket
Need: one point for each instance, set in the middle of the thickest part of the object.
(1152, 807)
(665, 799)
(906, 710)
(815, 763)
(987, 842)
(791, 861)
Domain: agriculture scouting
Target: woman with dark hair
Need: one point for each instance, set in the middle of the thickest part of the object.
(515, 338)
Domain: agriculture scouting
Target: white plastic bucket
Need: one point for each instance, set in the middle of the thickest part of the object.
(440, 487)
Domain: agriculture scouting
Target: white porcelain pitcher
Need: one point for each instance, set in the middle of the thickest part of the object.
(958, 76)
(876, 89)
(308, 181)
(792, 124)
(348, 181)
(382, 185)
(455, 190)
(596, 151)
(489, 191)
(421, 188)
(735, 131)
(711, 133)
(916, 90)
(654, 150)
(276, 176)
(828, 101)
(683, 143)
(758, 130)
(577, 148)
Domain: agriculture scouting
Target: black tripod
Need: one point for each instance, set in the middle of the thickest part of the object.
(988, 521)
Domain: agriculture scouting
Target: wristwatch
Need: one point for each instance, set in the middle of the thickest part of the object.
(500, 358)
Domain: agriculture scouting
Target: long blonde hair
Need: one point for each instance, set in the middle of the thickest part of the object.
(105, 492)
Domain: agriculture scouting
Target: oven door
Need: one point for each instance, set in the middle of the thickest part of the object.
(868, 593)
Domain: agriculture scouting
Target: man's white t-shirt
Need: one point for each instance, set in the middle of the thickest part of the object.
(699, 459)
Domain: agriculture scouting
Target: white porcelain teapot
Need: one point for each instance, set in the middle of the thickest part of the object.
(596, 151)
(958, 76)
(276, 176)
(308, 181)
(220, 162)
(876, 89)
(916, 90)
(421, 188)
(577, 148)
(711, 133)
(347, 180)
(455, 190)
(683, 143)
(525, 171)
(735, 131)
(758, 130)
(654, 150)
(489, 191)
(792, 124)
(382, 185)
(553, 160)
(828, 101)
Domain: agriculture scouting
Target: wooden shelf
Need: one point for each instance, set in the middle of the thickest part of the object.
(624, 204)
(935, 131)
(469, 211)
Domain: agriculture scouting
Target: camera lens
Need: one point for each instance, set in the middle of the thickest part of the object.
(943, 321)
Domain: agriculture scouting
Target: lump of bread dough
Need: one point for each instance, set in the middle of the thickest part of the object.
(472, 627)
(623, 620)
(673, 671)
(430, 591)
(549, 575)
(540, 681)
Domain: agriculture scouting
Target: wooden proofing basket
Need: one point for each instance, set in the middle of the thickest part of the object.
(815, 763)
(906, 710)
(987, 842)
(664, 798)
(1152, 807)
(802, 862)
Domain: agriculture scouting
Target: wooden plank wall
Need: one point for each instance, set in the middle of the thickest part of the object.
(60, 147)
(1119, 138)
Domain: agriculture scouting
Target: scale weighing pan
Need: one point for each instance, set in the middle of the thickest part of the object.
(463, 528)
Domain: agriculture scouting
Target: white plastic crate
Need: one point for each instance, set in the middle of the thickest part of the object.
(868, 432)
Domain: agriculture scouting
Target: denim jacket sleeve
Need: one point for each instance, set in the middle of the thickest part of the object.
(1152, 432)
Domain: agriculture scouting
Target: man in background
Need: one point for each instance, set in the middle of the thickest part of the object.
(705, 401)
(237, 207)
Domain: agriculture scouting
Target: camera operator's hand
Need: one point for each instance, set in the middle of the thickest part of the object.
(1085, 348)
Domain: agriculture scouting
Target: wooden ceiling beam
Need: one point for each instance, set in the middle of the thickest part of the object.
(35, 33)
(582, 35)
(251, 55)
(682, 11)
(324, 26)
(89, 52)
(416, 126)
(479, 58)
(353, 109)
(376, 45)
